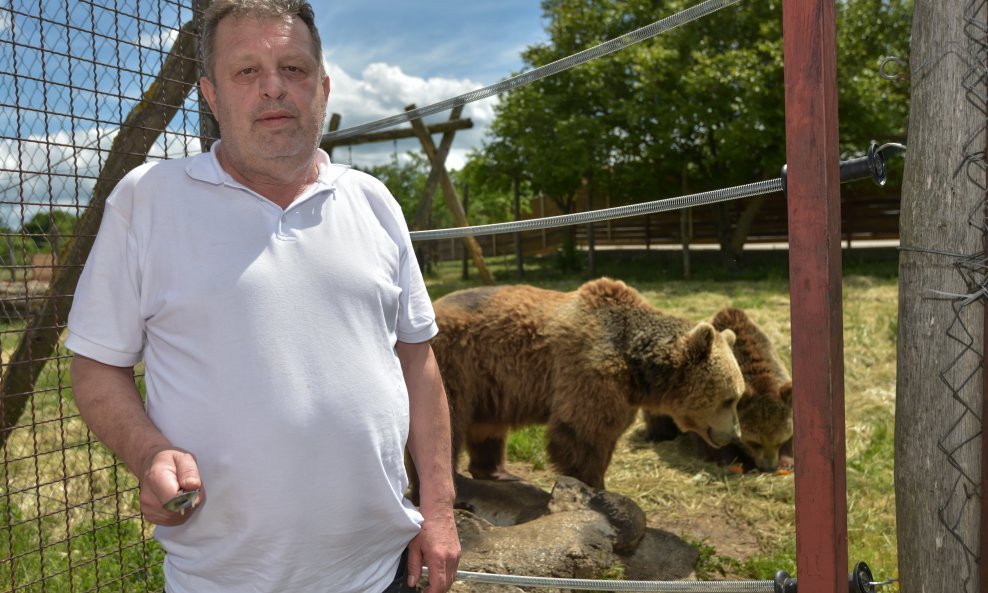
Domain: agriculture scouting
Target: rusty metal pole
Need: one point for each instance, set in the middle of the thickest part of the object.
(813, 183)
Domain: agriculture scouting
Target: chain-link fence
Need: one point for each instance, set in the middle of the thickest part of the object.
(88, 90)
(960, 512)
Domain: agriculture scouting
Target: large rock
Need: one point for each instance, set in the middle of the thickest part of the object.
(661, 556)
(515, 528)
(501, 503)
(574, 544)
(626, 517)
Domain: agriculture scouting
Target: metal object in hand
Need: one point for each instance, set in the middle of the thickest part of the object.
(182, 501)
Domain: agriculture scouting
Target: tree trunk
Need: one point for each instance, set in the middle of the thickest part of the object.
(940, 380)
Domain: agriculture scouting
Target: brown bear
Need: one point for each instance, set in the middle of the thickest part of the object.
(765, 409)
(583, 362)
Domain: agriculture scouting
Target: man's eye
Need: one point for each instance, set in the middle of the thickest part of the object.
(246, 71)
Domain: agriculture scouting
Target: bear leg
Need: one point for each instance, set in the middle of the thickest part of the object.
(660, 428)
(579, 455)
(486, 447)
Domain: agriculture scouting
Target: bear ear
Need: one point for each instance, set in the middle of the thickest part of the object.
(785, 392)
(700, 341)
(729, 336)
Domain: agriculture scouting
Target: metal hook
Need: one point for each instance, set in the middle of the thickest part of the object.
(882, 70)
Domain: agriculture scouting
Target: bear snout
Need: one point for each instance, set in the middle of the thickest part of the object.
(721, 438)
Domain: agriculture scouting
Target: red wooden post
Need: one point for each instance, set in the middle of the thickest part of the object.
(813, 158)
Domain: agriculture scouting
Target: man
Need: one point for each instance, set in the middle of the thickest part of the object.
(276, 302)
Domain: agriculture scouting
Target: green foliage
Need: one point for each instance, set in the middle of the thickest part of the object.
(16, 251)
(44, 225)
(489, 195)
(489, 198)
(528, 444)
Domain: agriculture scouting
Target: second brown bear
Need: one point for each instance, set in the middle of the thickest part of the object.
(765, 411)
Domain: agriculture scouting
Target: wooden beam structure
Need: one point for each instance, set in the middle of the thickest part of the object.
(816, 308)
(422, 214)
(454, 124)
(449, 192)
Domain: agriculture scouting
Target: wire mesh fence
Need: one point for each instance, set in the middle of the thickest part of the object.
(960, 513)
(88, 89)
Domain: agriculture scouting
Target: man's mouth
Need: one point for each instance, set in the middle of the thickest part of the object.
(275, 117)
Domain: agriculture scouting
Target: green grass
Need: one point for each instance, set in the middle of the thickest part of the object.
(528, 445)
(69, 517)
(107, 555)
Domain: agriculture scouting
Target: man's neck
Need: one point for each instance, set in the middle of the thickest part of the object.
(281, 185)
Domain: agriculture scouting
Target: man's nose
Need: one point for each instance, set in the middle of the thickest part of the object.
(272, 85)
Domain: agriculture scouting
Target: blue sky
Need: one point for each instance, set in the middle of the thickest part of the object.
(384, 54)
(71, 71)
(475, 39)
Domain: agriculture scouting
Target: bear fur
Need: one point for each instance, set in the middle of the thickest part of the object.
(765, 409)
(582, 362)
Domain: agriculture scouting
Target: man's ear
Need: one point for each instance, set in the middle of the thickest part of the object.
(325, 86)
(208, 92)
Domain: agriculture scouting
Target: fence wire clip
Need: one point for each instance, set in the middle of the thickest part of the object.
(859, 581)
(871, 165)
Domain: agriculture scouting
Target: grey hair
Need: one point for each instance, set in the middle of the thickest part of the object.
(221, 9)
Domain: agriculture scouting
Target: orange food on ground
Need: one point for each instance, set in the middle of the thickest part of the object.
(736, 468)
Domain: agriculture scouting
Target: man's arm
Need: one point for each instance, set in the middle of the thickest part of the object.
(437, 545)
(111, 405)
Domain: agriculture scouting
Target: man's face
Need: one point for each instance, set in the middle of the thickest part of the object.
(269, 93)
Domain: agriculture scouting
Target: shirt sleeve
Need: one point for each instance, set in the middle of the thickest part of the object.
(416, 318)
(105, 321)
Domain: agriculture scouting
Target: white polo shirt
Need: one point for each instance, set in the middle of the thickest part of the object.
(268, 338)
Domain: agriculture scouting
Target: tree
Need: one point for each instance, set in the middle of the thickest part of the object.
(491, 194)
(700, 107)
(48, 225)
(939, 415)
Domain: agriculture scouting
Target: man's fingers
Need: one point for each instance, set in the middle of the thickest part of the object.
(187, 471)
(414, 565)
(438, 580)
(169, 473)
(451, 573)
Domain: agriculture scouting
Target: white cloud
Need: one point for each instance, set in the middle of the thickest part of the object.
(384, 90)
(162, 39)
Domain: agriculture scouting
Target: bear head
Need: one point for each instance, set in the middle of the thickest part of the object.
(766, 425)
(765, 410)
(698, 383)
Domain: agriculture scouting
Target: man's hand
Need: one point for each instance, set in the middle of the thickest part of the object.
(438, 547)
(166, 473)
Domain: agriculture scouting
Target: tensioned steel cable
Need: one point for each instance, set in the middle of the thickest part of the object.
(688, 201)
(601, 585)
(608, 47)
